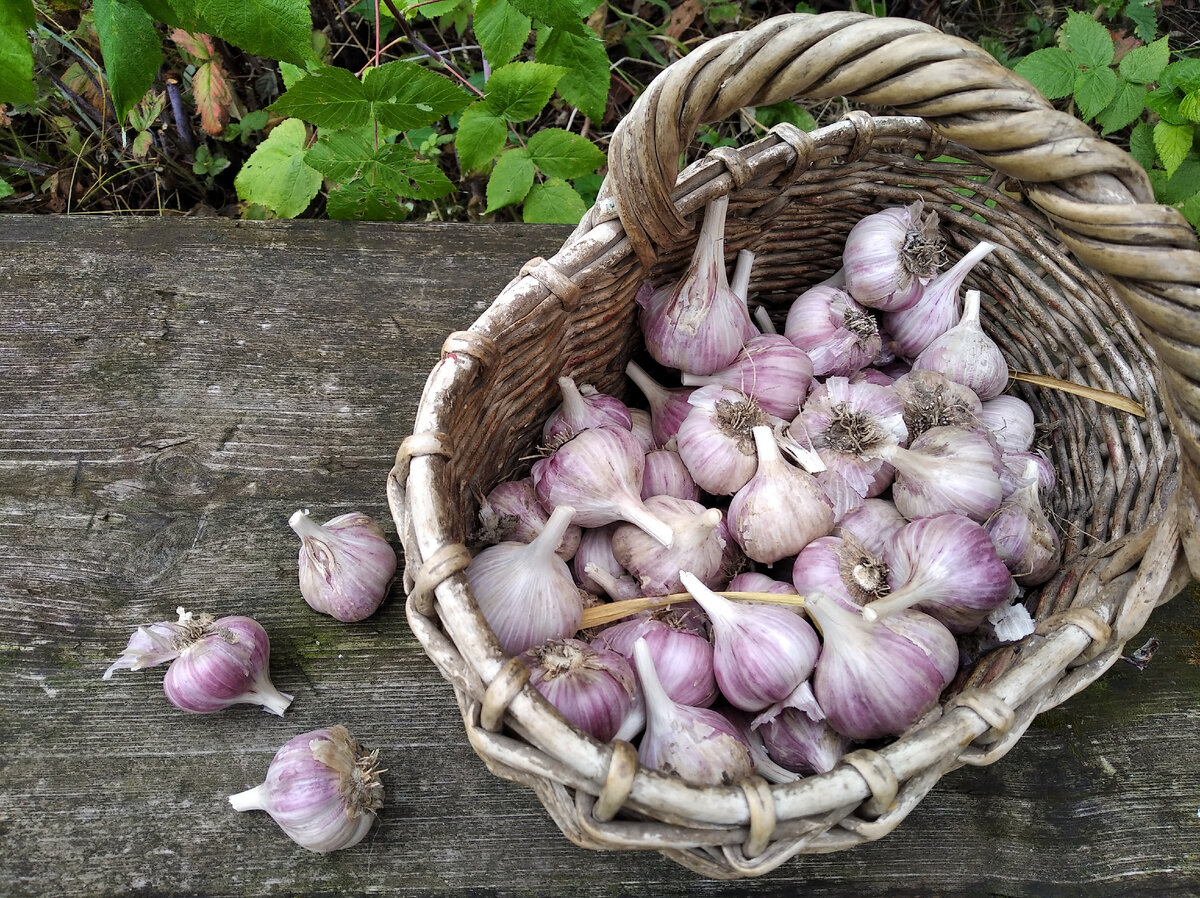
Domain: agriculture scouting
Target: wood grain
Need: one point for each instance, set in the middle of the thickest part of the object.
(172, 390)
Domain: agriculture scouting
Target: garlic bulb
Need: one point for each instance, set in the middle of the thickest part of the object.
(511, 512)
(697, 744)
(764, 765)
(699, 324)
(665, 474)
(683, 658)
(762, 654)
(592, 687)
(581, 408)
(843, 569)
(945, 469)
(781, 509)
(839, 336)
(1023, 536)
(322, 788)
(1009, 419)
(873, 524)
(797, 742)
(967, 355)
(668, 405)
(214, 663)
(849, 425)
(1014, 465)
(524, 590)
(936, 310)
(346, 564)
(595, 551)
(947, 567)
(771, 369)
(716, 439)
(891, 254)
(754, 581)
(602, 581)
(598, 472)
(697, 545)
(876, 678)
(642, 428)
(931, 399)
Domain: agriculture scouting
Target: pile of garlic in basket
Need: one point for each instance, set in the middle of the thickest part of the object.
(322, 787)
(862, 470)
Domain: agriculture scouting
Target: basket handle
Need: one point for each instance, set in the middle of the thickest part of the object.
(1096, 194)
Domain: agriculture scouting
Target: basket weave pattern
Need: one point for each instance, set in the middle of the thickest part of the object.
(1092, 283)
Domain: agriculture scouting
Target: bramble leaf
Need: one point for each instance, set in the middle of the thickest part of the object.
(501, 30)
(562, 154)
(210, 85)
(1094, 90)
(481, 135)
(360, 201)
(1145, 64)
(511, 179)
(1183, 184)
(175, 14)
(1173, 143)
(1087, 40)
(6, 189)
(131, 48)
(1124, 109)
(346, 156)
(1189, 106)
(1141, 144)
(404, 95)
(276, 175)
(279, 29)
(565, 14)
(554, 202)
(16, 53)
(520, 90)
(585, 85)
(1183, 74)
(1164, 102)
(1050, 70)
(330, 97)
(1142, 14)
(785, 111)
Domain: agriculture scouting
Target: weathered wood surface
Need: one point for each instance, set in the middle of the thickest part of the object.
(171, 390)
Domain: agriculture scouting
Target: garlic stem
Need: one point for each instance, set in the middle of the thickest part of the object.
(265, 694)
(763, 320)
(305, 527)
(547, 542)
(768, 450)
(573, 405)
(255, 799)
(970, 313)
(712, 238)
(654, 392)
(637, 514)
(614, 611)
(740, 284)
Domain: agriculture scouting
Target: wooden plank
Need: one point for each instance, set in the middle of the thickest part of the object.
(172, 391)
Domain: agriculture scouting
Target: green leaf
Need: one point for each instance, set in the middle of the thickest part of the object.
(1164, 102)
(1126, 106)
(554, 202)
(279, 29)
(1141, 13)
(346, 156)
(785, 111)
(290, 74)
(1172, 143)
(6, 189)
(520, 90)
(1141, 145)
(1050, 70)
(481, 135)
(1087, 40)
(1189, 106)
(132, 50)
(1094, 90)
(501, 30)
(404, 95)
(16, 53)
(276, 176)
(1191, 210)
(586, 82)
(565, 14)
(255, 121)
(510, 181)
(561, 154)
(330, 97)
(360, 201)
(175, 14)
(1145, 64)
(1183, 74)
(1183, 184)
(424, 7)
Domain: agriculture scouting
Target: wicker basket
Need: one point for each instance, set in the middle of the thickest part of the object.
(1092, 283)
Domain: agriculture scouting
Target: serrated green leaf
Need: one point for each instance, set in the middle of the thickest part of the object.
(1183, 184)
(276, 175)
(1087, 40)
(480, 136)
(175, 14)
(1164, 102)
(16, 53)
(1189, 106)
(330, 97)
(131, 48)
(279, 29)
(785, 111)
(511, 179)
(1051, 71)
(424, 7)
(1183, 74)
(565, 14)
(290, 74)
(520, 90)
(1145, 64)
(1126, 106)
(561, 154)
(346, 156)
(404, 95)
(501, 30)
(6, 189)
(1172, 143)
(1094, 90)
(1191, 210)
(554, 202)
(1141, 144)
(586, 82)
(1142, 14)
(360, 201)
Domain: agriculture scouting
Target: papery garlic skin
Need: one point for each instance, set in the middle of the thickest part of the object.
(890, 254)
(967, 355)
(525, 591)
(322, 788)
(839, 336)
(696, 744)
(152, 644)
(222, 662)
(771, 368)
(716, 440)
(346, 565)
(592, 687)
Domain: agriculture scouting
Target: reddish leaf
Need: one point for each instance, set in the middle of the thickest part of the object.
(213, 96)
(198, 46)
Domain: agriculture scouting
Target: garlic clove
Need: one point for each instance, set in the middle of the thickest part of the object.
(346, 565)
(322, 788)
